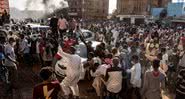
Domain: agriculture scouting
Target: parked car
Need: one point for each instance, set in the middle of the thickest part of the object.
(37, 27)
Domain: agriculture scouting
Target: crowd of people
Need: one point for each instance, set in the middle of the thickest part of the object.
(131, 62)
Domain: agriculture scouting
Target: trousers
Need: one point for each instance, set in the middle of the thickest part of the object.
(67, 89)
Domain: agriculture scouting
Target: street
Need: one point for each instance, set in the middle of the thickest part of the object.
(28, 79)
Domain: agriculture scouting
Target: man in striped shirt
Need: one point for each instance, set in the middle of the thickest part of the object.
(180, 88)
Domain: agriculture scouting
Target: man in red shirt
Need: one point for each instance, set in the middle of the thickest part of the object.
(48, 89)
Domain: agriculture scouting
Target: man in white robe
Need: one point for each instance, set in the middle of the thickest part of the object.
(70, 82)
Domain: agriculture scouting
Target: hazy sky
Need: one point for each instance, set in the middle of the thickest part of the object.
(178, 0)
(20, 4)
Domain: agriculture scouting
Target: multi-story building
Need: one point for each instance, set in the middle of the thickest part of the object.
(4, 5)
(75, 8)
(89, 9)
(176, 9)
(132, 7)
(138, 9)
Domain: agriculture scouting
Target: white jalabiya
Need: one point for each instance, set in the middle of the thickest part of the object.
(72, 73)
(135, 75)
(98, 81)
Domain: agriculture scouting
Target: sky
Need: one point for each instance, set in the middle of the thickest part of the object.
(20, 4)
(178, 0)
(112, 5)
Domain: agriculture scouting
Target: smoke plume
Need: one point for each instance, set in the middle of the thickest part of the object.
(48, 6)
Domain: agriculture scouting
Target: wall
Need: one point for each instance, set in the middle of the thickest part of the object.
(176, 9)
(156, 11)
(89, 9)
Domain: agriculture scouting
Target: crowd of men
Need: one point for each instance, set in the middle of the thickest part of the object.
(131, 62)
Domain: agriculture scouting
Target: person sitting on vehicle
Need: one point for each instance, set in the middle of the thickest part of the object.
(62, 26)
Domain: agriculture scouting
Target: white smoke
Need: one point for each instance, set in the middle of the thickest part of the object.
(46, 5)
(53, 5)
(20, 9)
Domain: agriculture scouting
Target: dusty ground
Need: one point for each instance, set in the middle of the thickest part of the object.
(28, 79)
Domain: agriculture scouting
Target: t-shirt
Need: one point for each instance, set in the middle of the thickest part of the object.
(114, 83)
(9, 50)
(62, 24)
(47, 91)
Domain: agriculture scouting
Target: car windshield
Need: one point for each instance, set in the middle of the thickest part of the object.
(87, 34)
(81, 50)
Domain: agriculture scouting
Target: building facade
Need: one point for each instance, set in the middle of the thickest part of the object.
(88, 9)
(176, 9)
(139, 7)
(136, 11)
(4, 5)
(131, 7)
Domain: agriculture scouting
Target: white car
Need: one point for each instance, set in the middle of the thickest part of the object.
(89, 35)
(35, 28)
(81, 50)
